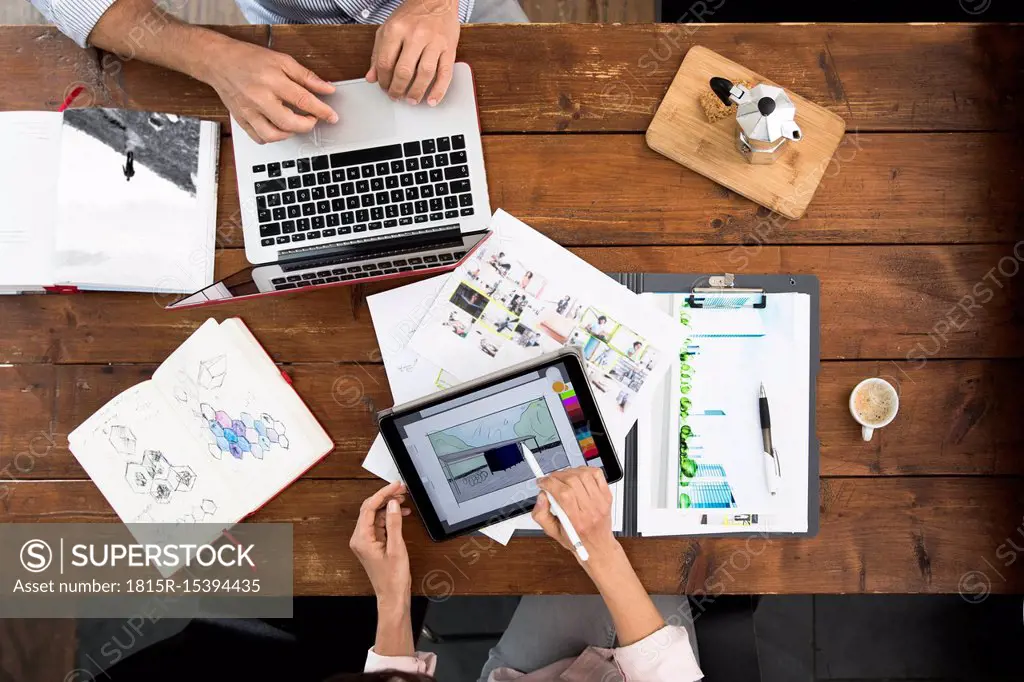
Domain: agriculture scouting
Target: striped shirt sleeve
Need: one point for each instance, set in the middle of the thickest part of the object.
(75, 18)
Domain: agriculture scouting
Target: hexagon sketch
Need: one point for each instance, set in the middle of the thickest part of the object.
(212, 372)
(156, 464)
(161, 492)
(122, 439)
(182, 477)
(138, 477)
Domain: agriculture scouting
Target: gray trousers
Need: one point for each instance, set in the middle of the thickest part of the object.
(497, 12)
(546, 629)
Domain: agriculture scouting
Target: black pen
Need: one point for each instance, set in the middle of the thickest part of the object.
(771, 458)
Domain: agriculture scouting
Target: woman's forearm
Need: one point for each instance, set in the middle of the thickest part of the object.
(632, 610)
(394, 630)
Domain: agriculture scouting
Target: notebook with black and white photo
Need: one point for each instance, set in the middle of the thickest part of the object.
(390, 190)
(107, 199)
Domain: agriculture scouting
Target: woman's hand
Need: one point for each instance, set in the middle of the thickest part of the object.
(414, 50)
(584, 496)
(377, 543)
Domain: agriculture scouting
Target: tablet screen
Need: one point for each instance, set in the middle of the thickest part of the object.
(467, 451)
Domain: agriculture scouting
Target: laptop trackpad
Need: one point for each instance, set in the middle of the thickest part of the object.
(365, 113)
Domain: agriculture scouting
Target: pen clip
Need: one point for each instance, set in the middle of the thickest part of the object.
(778, 465)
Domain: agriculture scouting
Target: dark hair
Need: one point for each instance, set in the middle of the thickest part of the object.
(637, 344)
(385, 676)
(601, 318)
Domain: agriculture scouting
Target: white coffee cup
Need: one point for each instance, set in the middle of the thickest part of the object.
(874, 403)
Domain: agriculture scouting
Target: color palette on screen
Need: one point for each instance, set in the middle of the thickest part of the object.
(571, 405)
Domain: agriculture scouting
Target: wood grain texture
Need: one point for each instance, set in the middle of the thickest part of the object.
(681, 132)
(877, 535)
(41, 650)
(914, 236)
(936, 301)
(225, 12)
(591, 11)
(597, 77)
(612, 189)
(957, 417)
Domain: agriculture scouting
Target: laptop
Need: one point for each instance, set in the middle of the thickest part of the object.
(389, 191)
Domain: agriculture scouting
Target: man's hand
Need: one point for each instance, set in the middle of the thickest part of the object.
(377, 543)
(414, 52)
(584, 495)
(270, 94)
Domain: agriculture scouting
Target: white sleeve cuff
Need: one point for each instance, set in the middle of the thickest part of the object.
(422, 663)
(77, 18)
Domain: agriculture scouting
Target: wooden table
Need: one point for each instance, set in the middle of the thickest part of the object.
(913, 234)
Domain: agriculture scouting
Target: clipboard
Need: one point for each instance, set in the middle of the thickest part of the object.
(730, 290)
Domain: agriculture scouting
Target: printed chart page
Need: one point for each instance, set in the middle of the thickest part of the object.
(521, 295)
(701, 467)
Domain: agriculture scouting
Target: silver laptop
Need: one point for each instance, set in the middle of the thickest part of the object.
(389, 191)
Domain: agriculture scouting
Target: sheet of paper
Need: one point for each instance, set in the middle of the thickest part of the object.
(521, 295)
(30, 146)
(712, 480)
(397, 313)
(133, 201)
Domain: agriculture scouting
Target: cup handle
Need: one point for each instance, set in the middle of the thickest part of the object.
(866, 432)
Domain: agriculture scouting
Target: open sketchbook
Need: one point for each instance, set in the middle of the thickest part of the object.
(213, 436)
(107, 199)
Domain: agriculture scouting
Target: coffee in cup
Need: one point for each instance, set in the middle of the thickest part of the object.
(874, 404)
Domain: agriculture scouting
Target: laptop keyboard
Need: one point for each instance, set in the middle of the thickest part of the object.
(328, 275)
(362, 191)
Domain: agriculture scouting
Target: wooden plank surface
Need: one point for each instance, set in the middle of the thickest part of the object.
(937, 302)
(913, 235)
(891, 534)
(587, 11)
(41, 650)
(681, 131)
(957, 417)
(878, 188)
(589, 77)
(221, 12)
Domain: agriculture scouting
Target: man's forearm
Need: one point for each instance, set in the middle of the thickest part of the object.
(633, 612)
(139, 29)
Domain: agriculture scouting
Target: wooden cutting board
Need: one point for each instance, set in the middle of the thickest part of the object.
(681, 131)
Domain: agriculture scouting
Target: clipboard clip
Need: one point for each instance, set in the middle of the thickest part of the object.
(722, 293)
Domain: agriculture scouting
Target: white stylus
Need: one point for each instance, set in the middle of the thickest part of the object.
(556, 510)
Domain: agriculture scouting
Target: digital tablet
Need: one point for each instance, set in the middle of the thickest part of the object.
(460, 450)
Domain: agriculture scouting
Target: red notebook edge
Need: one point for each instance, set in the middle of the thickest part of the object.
(288, 380)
